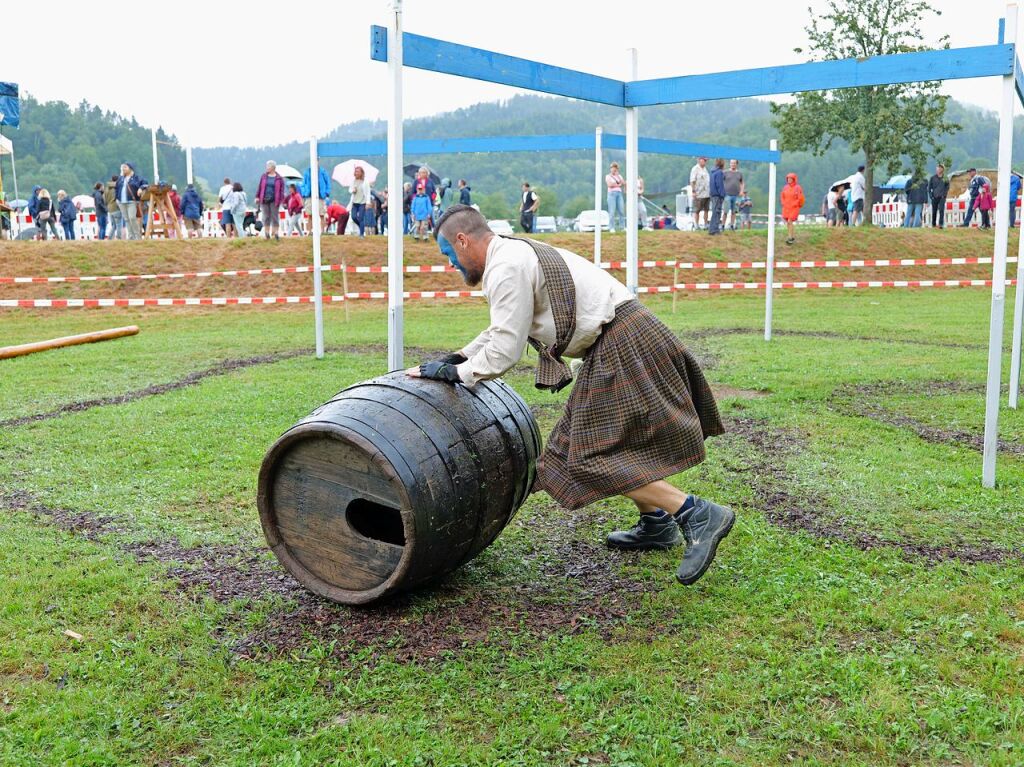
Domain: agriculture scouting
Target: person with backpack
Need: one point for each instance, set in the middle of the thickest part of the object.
(45, 214)
(68, 214)
(269, 196)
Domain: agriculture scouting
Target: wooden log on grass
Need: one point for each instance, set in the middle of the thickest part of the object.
(6, 352)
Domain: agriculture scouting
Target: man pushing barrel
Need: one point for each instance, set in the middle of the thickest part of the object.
(641, 408)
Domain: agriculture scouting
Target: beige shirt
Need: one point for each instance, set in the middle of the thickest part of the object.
(514, 286)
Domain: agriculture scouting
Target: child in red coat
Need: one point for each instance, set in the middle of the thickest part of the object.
(986, 203)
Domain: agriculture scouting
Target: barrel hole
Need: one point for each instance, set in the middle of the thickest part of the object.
(376, 521)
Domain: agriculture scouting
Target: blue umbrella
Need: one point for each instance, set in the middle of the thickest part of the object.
(17, 204)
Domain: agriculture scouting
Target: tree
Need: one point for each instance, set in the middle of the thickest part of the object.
(549, 204)
(495, 206)
(885, 122)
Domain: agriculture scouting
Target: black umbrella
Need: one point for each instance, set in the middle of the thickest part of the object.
(413, 168)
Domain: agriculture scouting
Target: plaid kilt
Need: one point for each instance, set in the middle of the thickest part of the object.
(639, 412)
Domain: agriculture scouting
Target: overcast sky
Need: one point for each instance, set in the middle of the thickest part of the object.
(242, 76)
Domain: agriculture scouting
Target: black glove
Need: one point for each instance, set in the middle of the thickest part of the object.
(440, 371)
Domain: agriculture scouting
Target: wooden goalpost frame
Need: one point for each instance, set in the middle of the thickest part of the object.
(400, 49)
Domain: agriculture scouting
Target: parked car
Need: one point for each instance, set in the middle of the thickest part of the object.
(545, 225)
(586, 220)
(500, 226)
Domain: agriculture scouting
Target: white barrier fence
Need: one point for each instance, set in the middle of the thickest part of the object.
(893, 214)
(87, 225)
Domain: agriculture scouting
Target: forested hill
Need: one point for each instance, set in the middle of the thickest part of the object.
(71, 148)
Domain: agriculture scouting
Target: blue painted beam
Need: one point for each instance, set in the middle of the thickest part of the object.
(1002, 31)
(1018, 79)
(952, 64)
(692, 149)
(464, 61)
(457, 145)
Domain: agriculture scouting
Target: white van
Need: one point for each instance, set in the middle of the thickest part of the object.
(500, 226)
(545, 225)
(586, 221)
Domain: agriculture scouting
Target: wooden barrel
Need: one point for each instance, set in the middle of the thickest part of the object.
(394, 482)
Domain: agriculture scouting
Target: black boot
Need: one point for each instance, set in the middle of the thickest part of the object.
(653, 531)
(704, 526)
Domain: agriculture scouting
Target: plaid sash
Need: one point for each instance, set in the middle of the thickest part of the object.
(553, 373)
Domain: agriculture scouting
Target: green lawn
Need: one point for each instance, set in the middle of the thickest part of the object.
(868, 608)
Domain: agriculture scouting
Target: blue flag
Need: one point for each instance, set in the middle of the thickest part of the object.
(10, 107)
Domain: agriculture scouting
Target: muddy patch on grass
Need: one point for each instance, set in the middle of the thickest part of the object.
(869, 401)
(86, 524)
(787, 503)
(574, 584)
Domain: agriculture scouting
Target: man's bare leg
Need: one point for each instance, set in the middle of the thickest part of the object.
(657, 495)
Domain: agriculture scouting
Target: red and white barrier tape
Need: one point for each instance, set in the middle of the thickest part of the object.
(440, 268)
(71, 303)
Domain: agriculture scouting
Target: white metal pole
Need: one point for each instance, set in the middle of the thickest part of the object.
(396, 351)
(188, 164)
(995, 333)
(156, 167)
(1018, 318)
(314, 205)
(770, 255)
(598, 207)
(632, 172)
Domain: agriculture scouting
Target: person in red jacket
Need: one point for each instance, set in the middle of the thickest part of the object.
(986, 204)
(336, 212)
(792, 201)
(293, 208)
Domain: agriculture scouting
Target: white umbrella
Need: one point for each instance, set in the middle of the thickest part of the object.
(344, 173)
(848, 181)
(83, 201)
(287, 171)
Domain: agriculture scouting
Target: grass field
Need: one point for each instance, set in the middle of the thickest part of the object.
(868, 608)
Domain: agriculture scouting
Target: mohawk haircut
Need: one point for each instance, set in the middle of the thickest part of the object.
(462, 218)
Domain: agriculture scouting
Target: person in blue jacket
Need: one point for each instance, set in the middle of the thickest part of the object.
(68, 214)
(717, 196)
(33, 203)
(1014, 195)
(323, 189)
(192, 212)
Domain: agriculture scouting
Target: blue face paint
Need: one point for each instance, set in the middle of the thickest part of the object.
(447, 248)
